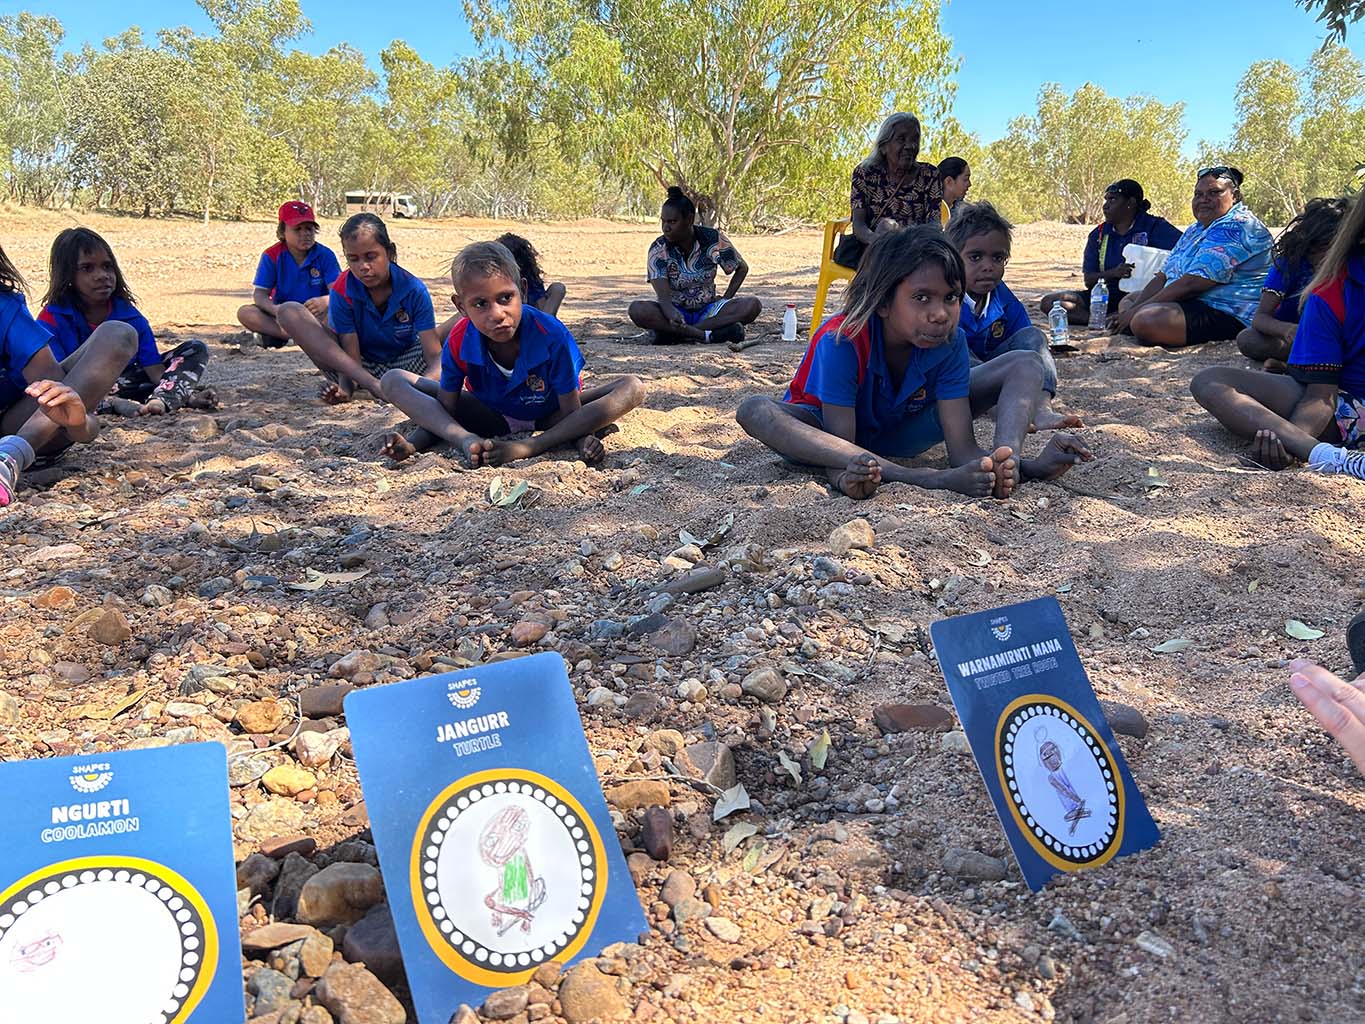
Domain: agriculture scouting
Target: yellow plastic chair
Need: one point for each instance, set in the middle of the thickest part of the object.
(829, 270)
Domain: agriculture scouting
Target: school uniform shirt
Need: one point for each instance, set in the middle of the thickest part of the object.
(998, 316)
(692, 275)
(21, 338)
(1104, 245)
(851, 371)
(547, 366)
(1288, 283)
(1329, 346)
(291, 281)
(70, 330)
(1234, 252)
(383, 336)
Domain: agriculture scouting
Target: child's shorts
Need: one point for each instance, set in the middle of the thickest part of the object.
(413, 359)
(912, 436)
(695, 316)
(1350, 416)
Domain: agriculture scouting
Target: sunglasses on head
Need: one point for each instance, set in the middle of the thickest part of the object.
(1220, 171)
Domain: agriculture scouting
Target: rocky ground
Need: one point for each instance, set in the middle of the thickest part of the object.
(228, 575)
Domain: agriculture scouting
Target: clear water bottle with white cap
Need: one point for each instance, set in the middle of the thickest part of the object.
(1099, 305)
(789, 323)
(1057, 318)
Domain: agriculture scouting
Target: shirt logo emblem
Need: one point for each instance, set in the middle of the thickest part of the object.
(402, 317)
(314, 272)
(998, 329)
(534, 383)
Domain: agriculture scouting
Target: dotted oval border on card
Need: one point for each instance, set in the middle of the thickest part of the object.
(1054, 849)
(194, 922)
(473, 960)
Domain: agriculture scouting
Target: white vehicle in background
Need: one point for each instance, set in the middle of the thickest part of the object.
(386, 204)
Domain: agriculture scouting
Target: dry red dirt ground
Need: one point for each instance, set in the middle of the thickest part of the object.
(1252, 901)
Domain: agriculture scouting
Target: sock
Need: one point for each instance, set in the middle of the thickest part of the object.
(1324, 455)
(16, 448)
(707, 335)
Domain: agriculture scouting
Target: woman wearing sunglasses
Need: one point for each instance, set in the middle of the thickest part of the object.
(1211, 283)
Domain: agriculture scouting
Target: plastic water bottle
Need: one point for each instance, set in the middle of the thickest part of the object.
(1057, 318)
(1099, 305)
(789, 323)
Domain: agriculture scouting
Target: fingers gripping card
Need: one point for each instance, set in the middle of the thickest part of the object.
(1048, 757)
(118, 898)
(497, 849)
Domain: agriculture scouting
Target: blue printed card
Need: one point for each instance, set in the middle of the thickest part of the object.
(497, 849)
(118, 892)
(1054, 772)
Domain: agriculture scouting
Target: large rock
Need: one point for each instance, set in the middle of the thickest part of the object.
(1125, 720)
(340, 894)
(289, 780)
(506, 1003)
(256, 873)
(270, 989)
(586, 994)
(355, 996)
(260, 717)
(373, 942)
(324, 701)
(891, 718)
(711, 762)
(9, 711)
(316, 749)
(315, 955)
(638, 793)
(275, 936)
(767, 684)
(856, 533)
(677, 638)
(973, 865)
(274, 817)
(110, 629)
(294, 874)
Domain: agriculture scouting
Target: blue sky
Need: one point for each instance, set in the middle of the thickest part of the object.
(1170, 49)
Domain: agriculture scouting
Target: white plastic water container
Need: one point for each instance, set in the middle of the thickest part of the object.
(789, 323)
(1099, 305)
(1146, 262)
(1057, 318)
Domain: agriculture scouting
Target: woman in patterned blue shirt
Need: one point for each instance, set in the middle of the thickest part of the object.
(1211, 283)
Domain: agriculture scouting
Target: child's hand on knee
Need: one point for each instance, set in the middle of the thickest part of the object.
(59, 402)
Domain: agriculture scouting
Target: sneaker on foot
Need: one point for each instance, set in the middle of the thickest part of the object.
(1327, 458)
(730, 334)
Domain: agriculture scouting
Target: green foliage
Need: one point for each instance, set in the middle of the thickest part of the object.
(1336, 14)
(1299, 133)
(1056, 163)
(753, 121)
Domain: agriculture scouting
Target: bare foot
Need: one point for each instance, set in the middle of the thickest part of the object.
(1047, 419)
(974, 479)
(860, 478)
(502, 451)
(590, 449)
(397, 447)
(334, 394)
(1006, 469)
(124, 406)
(475, 452)
(1061, 453)
(154, 407)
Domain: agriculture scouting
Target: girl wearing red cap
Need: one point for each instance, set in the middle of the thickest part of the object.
(295, 269)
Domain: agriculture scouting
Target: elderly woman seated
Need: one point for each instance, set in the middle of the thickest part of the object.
(1211, 284)
(891, 188)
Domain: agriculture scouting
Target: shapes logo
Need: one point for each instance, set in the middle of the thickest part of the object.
(91, 778)
(464, 695)
(1001, 629)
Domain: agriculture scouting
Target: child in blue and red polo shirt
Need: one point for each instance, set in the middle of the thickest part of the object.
(1316, 412)
(46, 406)
(1297, 252)
(506, 368)
(85, 289)
(890, 378)
(297, 268)
(379, 315)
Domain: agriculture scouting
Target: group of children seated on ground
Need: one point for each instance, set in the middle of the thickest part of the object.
(929, 340)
